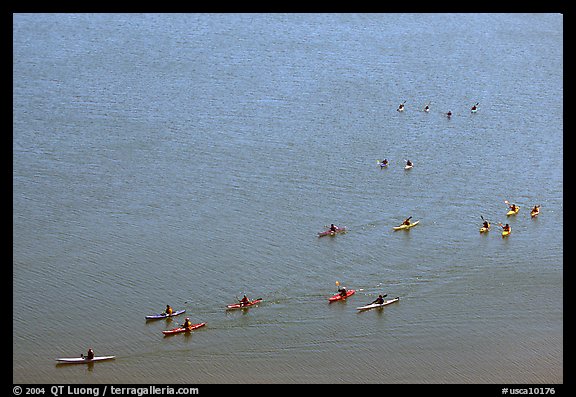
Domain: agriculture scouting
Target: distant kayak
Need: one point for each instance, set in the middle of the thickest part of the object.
(405, 227)
(83, 360)
(513, 212)
(164, 315)
(331, 232)
(243, 306)
(506, 233)
(338, 297)
(378, 305)
(182, 329)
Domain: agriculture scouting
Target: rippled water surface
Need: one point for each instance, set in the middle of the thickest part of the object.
(189, 159)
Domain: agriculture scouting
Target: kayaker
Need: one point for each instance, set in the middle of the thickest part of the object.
(506, 228)
(406, 221)
(384, 163)
(449, 114)
(333, 227)
(89, 355)
(169, 310)
(474, 108)
(187, 323)
(342, 291)
(401, 107)
(513, 207)
(426, 108)
(486, 225)
(244, 300)
(378, 300)
(536, 209)
(409, 163)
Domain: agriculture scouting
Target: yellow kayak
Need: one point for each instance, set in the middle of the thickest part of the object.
(513, 212)
(405, 226)
(506, 233)
(485, 229)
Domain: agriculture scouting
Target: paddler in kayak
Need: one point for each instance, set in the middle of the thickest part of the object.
(426, 108)
(407, 221)
(474, 108)
(384, 163)
(89, 355)
(168, 310)
(535, 211)
(506, 228)
(513, 207)
(187, 323)
(401, 107)
(333, 228)
(244, 300)
(409, 163)
(378, 300)
(449, 114)
(342, 291)
(486, 225)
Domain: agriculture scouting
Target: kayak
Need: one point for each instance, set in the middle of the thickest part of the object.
(332, 233)
(383, 165)
(533, 213)
(378, 305)
(513, 212)
(505, 233)
(181, 329)
(83, 360)
(338, 297)
(407, 167)
(485, 229)
(164, 315)
(406, 227)
(243, 306)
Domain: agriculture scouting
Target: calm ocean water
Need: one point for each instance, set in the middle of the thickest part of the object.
(189, 159)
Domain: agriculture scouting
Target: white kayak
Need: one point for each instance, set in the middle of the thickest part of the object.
(83, 360)
(164, 315)
(407, 167)
(377, 305)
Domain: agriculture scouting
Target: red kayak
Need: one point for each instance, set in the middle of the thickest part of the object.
(332, 232)
(181, 329)
(243, 305)
(338, 297)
